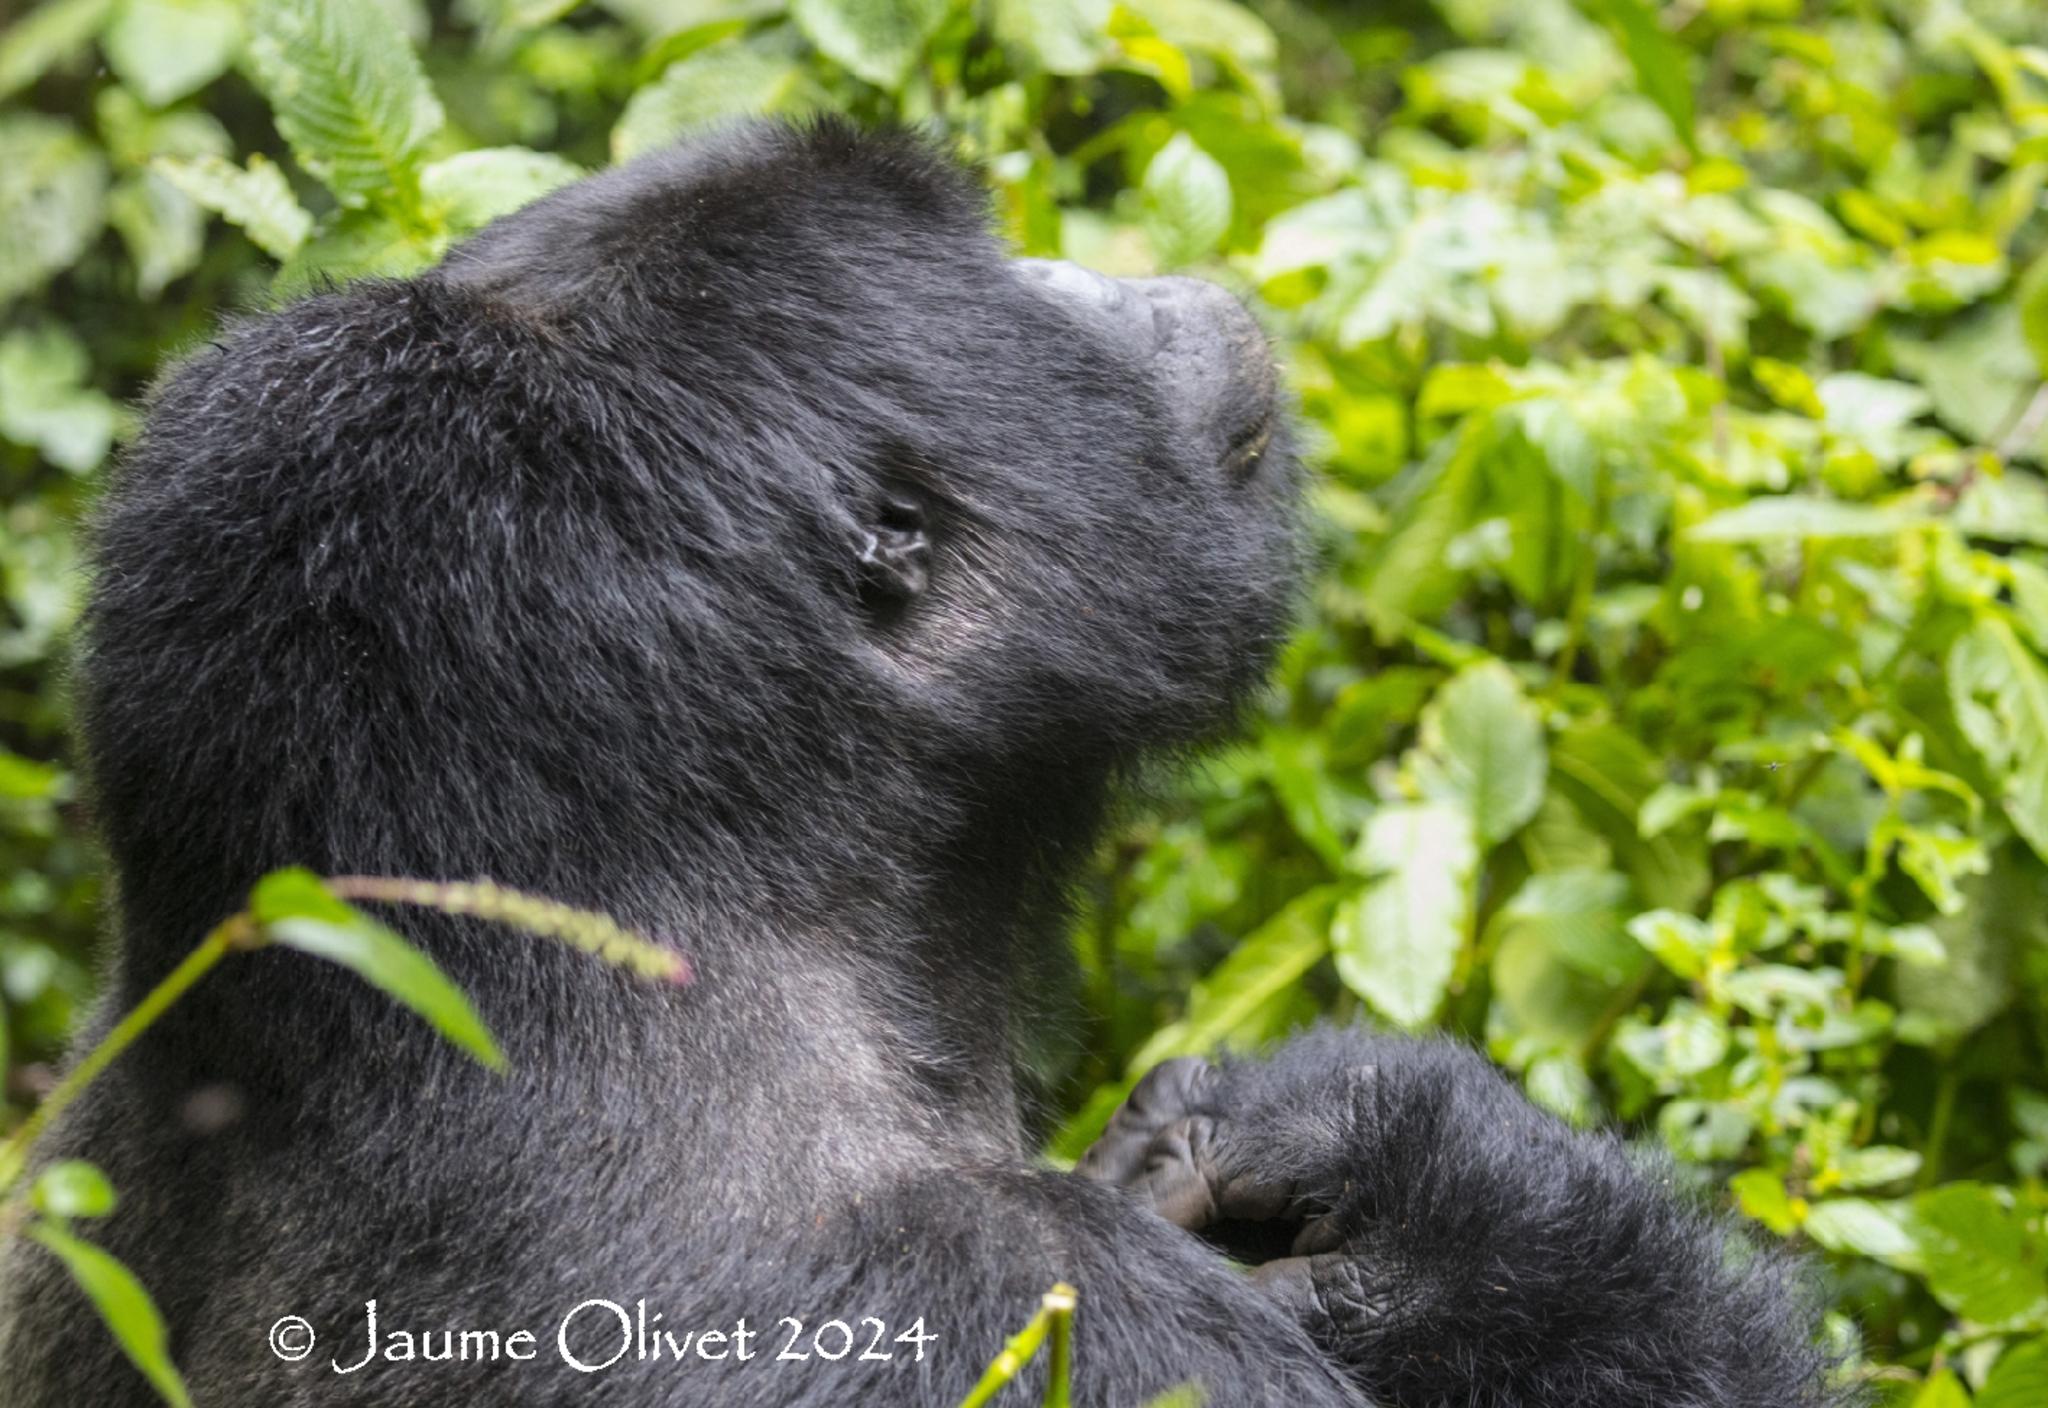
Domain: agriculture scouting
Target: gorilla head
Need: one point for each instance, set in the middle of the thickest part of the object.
(741, 516)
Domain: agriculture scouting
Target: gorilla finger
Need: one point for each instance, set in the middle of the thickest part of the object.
(1291, 1283)
(1170, 1091)
(1177, 1177)
(1318, 1235)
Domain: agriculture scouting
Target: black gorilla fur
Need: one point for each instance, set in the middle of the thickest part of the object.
(739, 544)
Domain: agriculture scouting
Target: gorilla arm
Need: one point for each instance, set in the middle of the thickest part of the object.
(970, 1252)
(1457, 1246)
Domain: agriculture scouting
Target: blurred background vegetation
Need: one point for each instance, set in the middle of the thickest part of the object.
(1671, 715)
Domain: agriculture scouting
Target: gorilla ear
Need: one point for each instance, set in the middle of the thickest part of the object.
(895, 553)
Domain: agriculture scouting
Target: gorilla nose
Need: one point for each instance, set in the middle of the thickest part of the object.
(1208, 354)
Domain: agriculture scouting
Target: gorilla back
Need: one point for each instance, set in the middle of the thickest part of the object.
(738, 543)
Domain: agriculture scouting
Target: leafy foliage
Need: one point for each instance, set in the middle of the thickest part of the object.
(1671, 714)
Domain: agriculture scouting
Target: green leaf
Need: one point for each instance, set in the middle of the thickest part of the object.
(1579, 915)
(1862, 1227)
(1761, 1194)
(1606, 775)
(360, 245)
(1663, 66)
(1482, 745)
(124, 1305)
(296, 910)
(1876, 1166)
(1231, 1004)
(1216, 26)
(164, 49)
(44, 403)
(1054, 36)
(2000, 694)
(1982, 1260)
(1689, 1041)
(2032, 300)
(1397, 940)
(1187, 202)
(53, 187)
(256, 198)
(2020, 1378)
(1799, 516)
(46, 36)
(878, 40)
(349, 96)
(72, 1188)
(1942, 1389)
(471, 189)
(163, 228)
(733, 79)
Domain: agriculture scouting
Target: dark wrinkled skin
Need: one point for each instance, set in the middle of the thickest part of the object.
(739, 544)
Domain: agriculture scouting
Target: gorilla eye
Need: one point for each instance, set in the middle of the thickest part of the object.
(895, 555)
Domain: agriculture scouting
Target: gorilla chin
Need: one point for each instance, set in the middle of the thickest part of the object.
(741, 543)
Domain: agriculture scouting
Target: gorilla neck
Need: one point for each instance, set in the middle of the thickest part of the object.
(893, 950)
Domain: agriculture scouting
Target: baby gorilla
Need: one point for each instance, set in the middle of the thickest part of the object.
(738, 543)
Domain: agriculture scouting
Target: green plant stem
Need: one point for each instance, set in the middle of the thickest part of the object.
(1056, 1306)
(1059, 1303)
(232, 933)
(1938, 1124)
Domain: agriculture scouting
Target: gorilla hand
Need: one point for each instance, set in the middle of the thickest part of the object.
(1446, 1242)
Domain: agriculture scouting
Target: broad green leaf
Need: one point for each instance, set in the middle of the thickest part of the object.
(878, 40)
(1579, 915)
(349, 95)
(45, 36)
(1861, 1226)
(1942, 1389)
(1663, 66)
(72, 1188)
(2020, 1378)
(1680, 942)
(473, 188)
(362, 244)
(257, 198)
(1981, 1259)
(125, 1307)
(1876, 1166)
(1054, 36)
(296, 910)
(1542, 1006)
(734, 79)
(53, 187)
(1482, 745)
(44, 403)
(1187, 202)
(1217, 26)
(25, 779)
(2032, 301)
(2030, 598)
(1397, 940)
(1688, 1041)
(1761, 1194)
(163, 228)
(504, 17)
(1266, 965)
(1606, 775)
(1794, 516)
(164, 49)
(2000, 693)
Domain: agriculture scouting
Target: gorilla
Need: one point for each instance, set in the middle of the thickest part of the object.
(740, 544)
